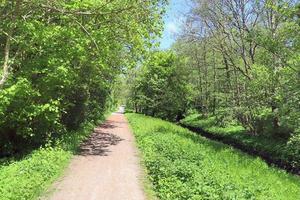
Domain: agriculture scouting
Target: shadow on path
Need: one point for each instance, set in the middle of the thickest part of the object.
(99, 141)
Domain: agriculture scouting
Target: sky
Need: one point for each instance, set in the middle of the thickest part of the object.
(172, 22)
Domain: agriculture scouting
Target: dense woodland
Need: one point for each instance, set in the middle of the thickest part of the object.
(236, 65)
(60, 59)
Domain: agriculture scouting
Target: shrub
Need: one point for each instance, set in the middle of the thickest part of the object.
(293, 148)
(26, 124)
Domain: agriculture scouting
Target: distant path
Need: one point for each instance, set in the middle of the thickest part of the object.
(107, 167)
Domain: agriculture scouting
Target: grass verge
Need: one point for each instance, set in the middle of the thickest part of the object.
(274, 150)
(182, 165)
(147, 185)
(29, 177)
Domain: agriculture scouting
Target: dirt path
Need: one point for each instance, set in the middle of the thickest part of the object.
(107, 167)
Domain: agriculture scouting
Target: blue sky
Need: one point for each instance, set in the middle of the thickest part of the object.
(173, 19)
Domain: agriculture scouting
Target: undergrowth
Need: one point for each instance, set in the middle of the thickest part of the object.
(28, 177)
(182, 165)
(275, 148)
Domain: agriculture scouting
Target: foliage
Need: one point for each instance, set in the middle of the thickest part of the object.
(266, 105)
(293, 149)
(243, 69)
(61, 60)
(160, 88)
(182, 165)
(276, 149)
(28, 177)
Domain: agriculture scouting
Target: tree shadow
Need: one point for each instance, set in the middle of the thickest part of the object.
(108, 125)
(99, 142)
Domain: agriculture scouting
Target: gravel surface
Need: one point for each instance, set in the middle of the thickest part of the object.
(107, 167)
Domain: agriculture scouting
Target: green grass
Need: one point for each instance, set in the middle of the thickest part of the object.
(29, 177)
(182, 165)
(273, 147)
(208, 124)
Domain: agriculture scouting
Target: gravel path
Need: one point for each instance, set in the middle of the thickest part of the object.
(107, 167)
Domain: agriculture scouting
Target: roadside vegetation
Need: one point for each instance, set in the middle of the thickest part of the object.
(60, 63)
(182, 165)
(273, 150)
(233, 72)
(27, 177)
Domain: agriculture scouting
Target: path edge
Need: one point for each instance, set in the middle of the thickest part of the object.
(144, 180)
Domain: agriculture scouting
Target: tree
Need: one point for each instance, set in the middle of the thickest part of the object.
(60, 62)
(241, 52)
(161, 88)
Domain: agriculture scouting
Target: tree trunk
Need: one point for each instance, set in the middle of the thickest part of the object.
(6, 66)
(5, 71)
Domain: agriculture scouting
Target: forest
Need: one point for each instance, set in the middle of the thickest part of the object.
(231, 81)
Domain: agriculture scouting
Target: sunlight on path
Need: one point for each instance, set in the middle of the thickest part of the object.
(107, 167)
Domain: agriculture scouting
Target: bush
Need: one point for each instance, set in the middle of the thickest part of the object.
(293, 148)
(75, 111)
(224, 116)
(31, 123)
